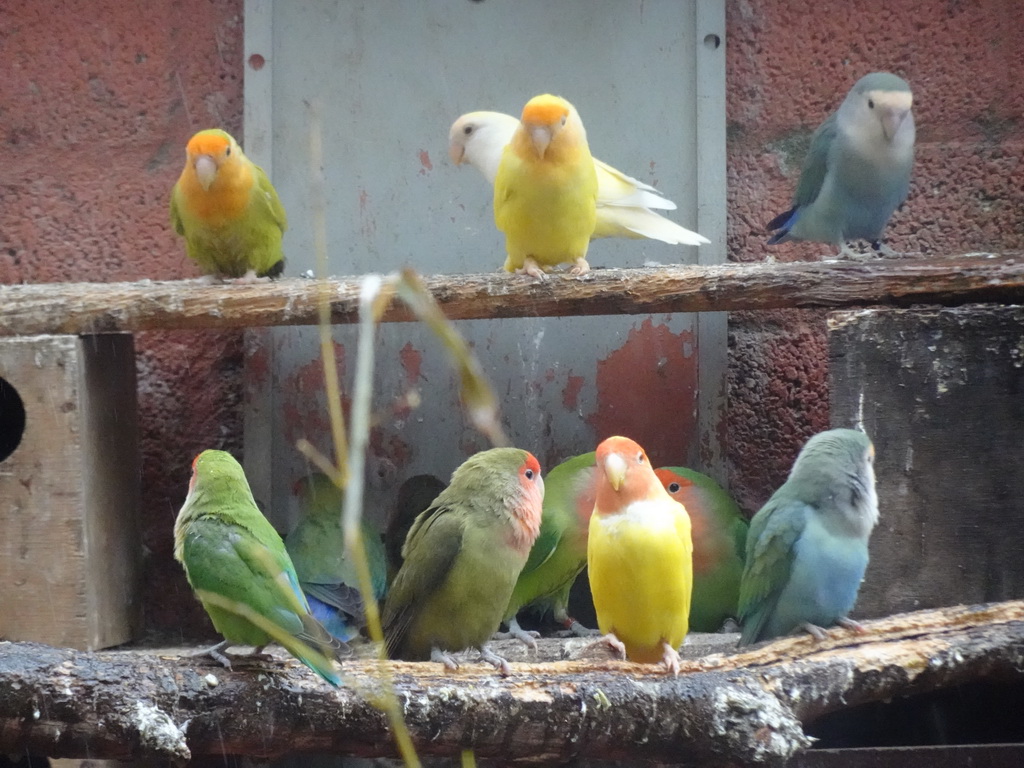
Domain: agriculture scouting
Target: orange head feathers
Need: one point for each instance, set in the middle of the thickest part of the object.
(626, 473)
(549, 122)
(208, 152)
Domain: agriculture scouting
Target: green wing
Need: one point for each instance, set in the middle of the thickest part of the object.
(433, 544)
(772, 536)
(254, 586)
(268, 201)
(816, 163)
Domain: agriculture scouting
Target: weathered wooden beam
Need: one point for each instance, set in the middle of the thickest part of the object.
(108, 307)
(724, 709)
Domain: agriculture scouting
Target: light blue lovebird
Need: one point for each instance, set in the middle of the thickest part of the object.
(807, 548)
(857, 170)
(317, 548)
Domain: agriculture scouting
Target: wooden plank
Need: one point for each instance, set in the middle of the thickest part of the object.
(941, 392)
(743, 708)
(69, 493)
(113, 307)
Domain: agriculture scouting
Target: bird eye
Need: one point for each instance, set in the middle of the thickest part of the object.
(529, 474)
(564, 118)
(871, 103)
(227, 151)
(640, 458)
(468, 130)
(673, 487)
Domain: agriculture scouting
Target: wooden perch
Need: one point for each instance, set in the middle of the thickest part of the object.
(109, 307)
(726, 708)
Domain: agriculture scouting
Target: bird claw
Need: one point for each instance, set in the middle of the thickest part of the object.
(443, 657)
(854, 626)
(670, 659)
(580, 268)
(578, 630)
(612, 642)
(250, 278)
(500, 664)
(527, 637)
(217, 654)
(814, 631)
(532, 268)
(883, 250)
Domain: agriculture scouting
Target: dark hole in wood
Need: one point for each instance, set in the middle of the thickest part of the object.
(12, 419)
(982, 712)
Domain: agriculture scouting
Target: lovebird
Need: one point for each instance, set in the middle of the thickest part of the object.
(237, 566)
(462, 558)
(719, 532)
(560, 552)
(640, 558)
(857, 170)
(808, 546)
(227, 210)
(415, 494)
(545, 190)
(326, 574)
(626, 207)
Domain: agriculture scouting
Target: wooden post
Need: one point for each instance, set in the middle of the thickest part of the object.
(941, 393)
(69, 491)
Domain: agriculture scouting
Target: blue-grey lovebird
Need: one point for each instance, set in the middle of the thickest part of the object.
(807, 548)
(857, 170)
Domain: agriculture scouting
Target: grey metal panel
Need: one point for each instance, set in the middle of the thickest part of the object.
(389, 77)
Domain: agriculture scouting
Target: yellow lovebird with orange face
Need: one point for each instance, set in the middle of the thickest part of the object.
(640, 558)
(545, 191)
(227, 210)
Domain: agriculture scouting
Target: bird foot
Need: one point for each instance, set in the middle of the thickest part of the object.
(249, 278)
(527, 637)
(532, 268)
(670, 659)
(814, 630)
(884, 250)
(443, 657)
(729, 625)
(208, 280)
(854, 626)
(617, 646)
(217, 654)
(578, 630)
(846, 252)
(500, 664)
(580, 267)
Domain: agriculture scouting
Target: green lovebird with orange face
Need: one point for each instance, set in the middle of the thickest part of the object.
(462, 558)
(227, 210)
(237, 566)
(560, 552)
(719, 532)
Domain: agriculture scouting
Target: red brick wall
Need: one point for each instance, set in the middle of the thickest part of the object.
(790, 63)
(97, 101)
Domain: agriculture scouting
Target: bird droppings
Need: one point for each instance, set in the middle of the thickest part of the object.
(745, 716)
(158, 733)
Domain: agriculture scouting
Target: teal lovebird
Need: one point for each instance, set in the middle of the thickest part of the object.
(857, 170)
(807, 549)
(719, 532)
(237, 566)
(326, 574)
(560, 552)
(462, 558)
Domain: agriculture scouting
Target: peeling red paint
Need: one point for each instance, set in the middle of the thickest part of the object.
(646, 390)
(412, 363)
(571, 391)
(425, 162)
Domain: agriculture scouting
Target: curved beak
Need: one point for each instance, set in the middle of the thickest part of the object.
(540, 137)
(615, 470)
(206, 170)
(892, 119)
(456, 152)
